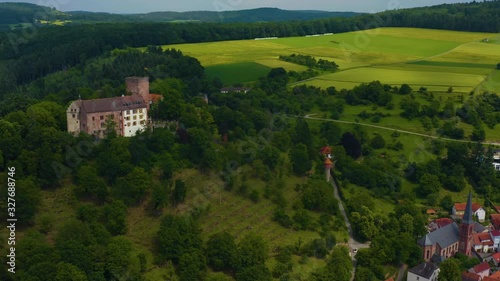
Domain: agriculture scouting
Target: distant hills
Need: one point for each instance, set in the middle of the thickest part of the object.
(252, 15)
(15, 15)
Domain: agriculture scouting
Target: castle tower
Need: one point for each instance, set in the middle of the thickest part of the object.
(139, 86)
(466, 227)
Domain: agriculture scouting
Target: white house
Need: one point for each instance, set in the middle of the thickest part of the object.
(495, 236)
(423, 272)
(477, 210)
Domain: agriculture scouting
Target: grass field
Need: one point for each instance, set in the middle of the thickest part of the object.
(240, 72)
(436, 59)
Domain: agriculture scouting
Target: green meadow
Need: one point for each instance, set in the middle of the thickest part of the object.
(436, 59)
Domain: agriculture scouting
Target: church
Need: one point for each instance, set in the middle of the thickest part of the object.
(450, 239)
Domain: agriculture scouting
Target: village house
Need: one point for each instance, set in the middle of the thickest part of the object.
(469, 276)
(495, 221)
(128, 114)
(482, 242)
(423, 272)
(477, 210)
(493, 277)
(495, 237)
(495, 258)
(482, 269)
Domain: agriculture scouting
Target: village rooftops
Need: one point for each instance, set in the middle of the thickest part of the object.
(424, 270)
(468, 276)
(481, 267)
(493, 277)
(460, 207)
(111, 104)
(444, 236)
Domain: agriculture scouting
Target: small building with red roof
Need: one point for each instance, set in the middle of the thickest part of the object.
(482, 269)
(439, 223)
(326, 150)
(478, 211)
(496, 259)
(495, 221)
(468, 276)
(482, 242)
(493, 277)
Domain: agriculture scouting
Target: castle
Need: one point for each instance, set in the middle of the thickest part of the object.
(128, 113)
(450, 239)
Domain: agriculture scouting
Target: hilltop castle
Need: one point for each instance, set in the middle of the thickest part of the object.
(129, 113)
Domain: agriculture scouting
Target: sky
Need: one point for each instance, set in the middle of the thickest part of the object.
(144, 6)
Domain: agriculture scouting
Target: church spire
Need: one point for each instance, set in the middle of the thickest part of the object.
(468, 217)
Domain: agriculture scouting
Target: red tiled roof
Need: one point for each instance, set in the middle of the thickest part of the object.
(460, 207)
(468, 276)
(155, 97)
(495, 276)
(481, 267)
(111, 104)
(326, 150)
(497, 208)
(495, 233)
(442, 222)
(496, 257)
(495, 219)
(328, 162)
(431, 211)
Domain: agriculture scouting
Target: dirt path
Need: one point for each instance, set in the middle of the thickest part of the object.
(309, 116)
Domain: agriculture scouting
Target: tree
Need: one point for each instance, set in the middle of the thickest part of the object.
(428, 184)
(351, 145)
(405, 89)
(90, 184)
(300, 159)
(27, 200)
(498, 65)
(192, 265)
(449, 270)
(159, 197)
(252, 251)
(118, 256)
(178, 236)
(377, 142)
(69, 272)
(179, 193)
(221, 251)
(115, 216)
(132, 188)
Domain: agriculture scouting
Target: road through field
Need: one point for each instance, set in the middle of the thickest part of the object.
(309, 116)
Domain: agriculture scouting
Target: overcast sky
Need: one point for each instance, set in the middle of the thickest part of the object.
(144, 6)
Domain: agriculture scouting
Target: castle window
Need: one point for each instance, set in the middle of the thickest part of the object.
(141, 116)
(93, 118)
(73, 115)
(143, 122)
(128, 124)
(135, 117)
(102, 124)
(140, 110)
(135, 111)
(134, 124)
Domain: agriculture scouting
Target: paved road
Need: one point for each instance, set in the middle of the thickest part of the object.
(308, 116)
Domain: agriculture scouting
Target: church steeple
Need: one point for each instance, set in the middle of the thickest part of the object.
(468, 216)
(465, 243)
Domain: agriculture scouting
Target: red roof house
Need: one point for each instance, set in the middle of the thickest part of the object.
(468, 276)
(482, 269)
